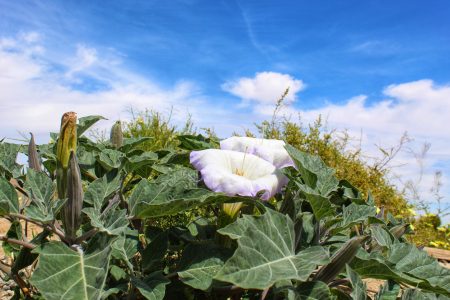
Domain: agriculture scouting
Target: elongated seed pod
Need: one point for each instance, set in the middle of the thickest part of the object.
(33, 156)
(399, 230)
(67, 142)
(74, 204)
(343, 256)
(116, 136)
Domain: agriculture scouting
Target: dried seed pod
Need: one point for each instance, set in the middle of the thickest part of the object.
(33, 155)
(67, 142)
(343, 256)
(116, 135)
(74, 204)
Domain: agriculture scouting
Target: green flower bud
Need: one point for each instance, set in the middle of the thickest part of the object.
(116, 135)
(74, 204)
(33, 156)
(67, 142)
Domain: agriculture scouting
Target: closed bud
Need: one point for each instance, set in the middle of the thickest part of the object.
(74, 204)
(33, 156)
(116, 135)
(342, 257)
(67, 142)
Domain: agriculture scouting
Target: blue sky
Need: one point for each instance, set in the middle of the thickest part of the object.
(377, 67)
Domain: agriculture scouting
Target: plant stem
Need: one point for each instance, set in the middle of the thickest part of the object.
(52, 228)
(17, 242)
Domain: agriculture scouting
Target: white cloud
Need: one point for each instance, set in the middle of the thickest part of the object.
(265, 88)
(35, 91)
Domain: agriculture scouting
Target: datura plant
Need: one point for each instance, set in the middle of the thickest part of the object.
(254, 219)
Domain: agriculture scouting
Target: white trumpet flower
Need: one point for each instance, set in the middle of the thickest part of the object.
(270, 150)
(237, 173)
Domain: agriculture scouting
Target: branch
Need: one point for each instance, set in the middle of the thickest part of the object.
(53, 229)
(17, 242)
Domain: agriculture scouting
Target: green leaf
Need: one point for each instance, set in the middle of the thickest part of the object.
(321, 205)
(200, 263)
(40, 188)
(85, 122)
(195, 142)
(101, 189)
(141, 160)
(266, 254)
(126, 246)
(313, 171)
(8, 156)
(388, 291)
(355, 213)
(110, 159)
(381, 236)
(152, 287)
(9, 202)
(113, 222)
(412, 261)
(14, 232)
(359, 287)
(131, 143)
(63, 273)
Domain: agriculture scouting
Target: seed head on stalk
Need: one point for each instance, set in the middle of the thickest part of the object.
(67, 142)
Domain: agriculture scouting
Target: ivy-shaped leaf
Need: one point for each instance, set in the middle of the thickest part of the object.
(266, 254)
(63, 273)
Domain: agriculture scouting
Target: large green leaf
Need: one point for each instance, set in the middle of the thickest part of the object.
(9, 202)
(266, 254)
(63, 273)
(200, 263)
(85, 122)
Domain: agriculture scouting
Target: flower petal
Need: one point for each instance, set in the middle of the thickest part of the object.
(237, 173)
(268, 149)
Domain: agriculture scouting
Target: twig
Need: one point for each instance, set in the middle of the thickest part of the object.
(17, 242)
